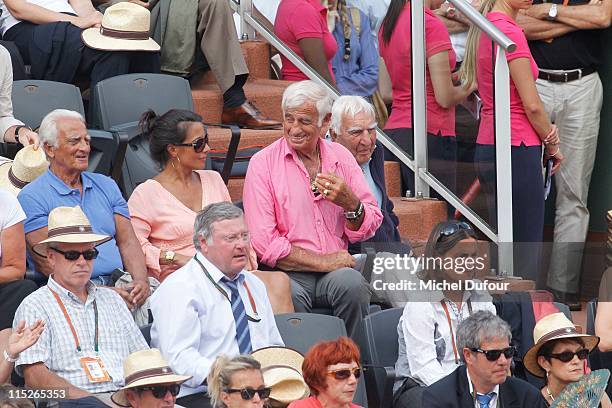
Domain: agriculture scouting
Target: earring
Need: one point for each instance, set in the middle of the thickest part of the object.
(179, 159)
(172, 163)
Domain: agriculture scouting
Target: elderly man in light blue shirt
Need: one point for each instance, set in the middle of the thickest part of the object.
(211, 305)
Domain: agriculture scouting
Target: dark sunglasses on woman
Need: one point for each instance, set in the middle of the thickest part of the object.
(88, 254)
(345, 373)
(248, 393)
(454, 228)
(160, 391)
(198, 144)
(568, 356)
(493, 355)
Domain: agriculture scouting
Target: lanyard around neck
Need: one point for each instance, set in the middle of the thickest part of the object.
(254, 318)
(450, 326)
(72, 329)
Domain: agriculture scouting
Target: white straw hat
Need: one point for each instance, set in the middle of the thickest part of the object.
(145, 367)
(69, 225)
(281, 368)
(125, 27)
(27, 166)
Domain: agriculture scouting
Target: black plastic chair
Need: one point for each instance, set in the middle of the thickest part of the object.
(146, 333)
(123, 99)
(378, 340)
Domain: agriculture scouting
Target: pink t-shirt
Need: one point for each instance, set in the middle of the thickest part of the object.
(298, 19)
(520, 128)
(437, 39)
(312, 402)
(397, 56)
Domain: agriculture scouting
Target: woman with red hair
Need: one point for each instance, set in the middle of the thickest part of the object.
(331, 370)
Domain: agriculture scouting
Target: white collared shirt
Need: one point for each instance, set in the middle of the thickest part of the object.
(493, 402)
(193, 321)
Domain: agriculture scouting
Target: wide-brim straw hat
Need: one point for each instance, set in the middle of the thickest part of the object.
(145, 367)
(69, 225)
(553, 327)
(27, 166)
(125, 27)
(281, 368)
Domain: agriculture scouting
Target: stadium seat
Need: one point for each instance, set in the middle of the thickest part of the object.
(146, 333)
(563, 308)
(301, 331)
(124, 98)
(378, 341)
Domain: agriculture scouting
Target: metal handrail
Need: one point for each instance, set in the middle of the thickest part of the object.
(484, 25)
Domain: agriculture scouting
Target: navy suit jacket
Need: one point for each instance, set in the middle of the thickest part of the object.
(453, 391)
(387, 232)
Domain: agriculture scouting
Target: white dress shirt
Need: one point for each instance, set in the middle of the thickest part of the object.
(419, 356)
(493, 402)
(6, 86)
(193, 322)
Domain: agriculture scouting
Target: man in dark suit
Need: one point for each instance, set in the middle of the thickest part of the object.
(483, 382)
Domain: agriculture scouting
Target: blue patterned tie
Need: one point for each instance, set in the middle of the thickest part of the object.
(484, 400)
(243, 336)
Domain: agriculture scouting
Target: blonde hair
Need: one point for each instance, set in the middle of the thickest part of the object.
(221, 372)
(467, 72)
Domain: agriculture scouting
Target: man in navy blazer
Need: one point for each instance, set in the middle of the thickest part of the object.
(353, 125)
(483, 382)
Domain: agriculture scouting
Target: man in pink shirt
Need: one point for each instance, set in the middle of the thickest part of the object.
(305, 200)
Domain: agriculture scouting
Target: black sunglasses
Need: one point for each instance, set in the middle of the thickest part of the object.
(160, 391)
(248, 393)
(198, 144)
(568, 356)
(345, 373)
(493, 355)
(88, 254)
(454, 228)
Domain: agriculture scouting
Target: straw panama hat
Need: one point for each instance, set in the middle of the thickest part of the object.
(145, 367)
(281, 368)
(552, 327)
(125, 27)
(71, 226)
(27, 166)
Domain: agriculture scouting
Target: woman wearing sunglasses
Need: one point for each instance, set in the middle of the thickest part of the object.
(163, 208)
(559, 355)
(331, 370)
(237, 383)
(428, 326)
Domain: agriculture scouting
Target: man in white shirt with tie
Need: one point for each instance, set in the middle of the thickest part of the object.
(211, 305)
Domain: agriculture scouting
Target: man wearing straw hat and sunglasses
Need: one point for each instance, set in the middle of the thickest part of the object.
(89, 330)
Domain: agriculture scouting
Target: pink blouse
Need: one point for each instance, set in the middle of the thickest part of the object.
(163, 223)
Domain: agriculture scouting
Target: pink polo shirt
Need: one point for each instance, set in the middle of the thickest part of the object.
(398, 59)
(298, 19)
(282, 211)
(437, 39)
(520, 128)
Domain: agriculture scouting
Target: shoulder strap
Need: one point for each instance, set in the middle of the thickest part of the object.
(356, 16)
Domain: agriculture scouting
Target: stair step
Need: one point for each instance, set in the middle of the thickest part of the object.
(266, 94)
(257, 57)
(393, 180)
(219, 138)
(418, 217)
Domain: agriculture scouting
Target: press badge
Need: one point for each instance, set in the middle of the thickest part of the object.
(94, 368)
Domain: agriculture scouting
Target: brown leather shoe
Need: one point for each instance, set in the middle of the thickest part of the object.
(247, 115)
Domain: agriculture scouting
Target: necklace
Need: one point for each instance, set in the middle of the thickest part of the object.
(549, 393)
(313, 185)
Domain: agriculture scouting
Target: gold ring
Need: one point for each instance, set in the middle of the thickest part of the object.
(327, 184)
(325, 192)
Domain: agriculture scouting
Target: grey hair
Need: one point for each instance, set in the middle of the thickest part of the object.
(48, 130)
(480, 327)
(203, 225)
(221, 372)
(299, 93)
(350, 106)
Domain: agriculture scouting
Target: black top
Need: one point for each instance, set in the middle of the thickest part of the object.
(578, 49)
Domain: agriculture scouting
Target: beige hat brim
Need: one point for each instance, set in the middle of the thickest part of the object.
(96, 239)
(120, 397)
(93, 39)
(5, 183)
(530, 360)
(287, 384)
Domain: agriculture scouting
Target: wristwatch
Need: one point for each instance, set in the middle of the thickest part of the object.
(552, 13)
(353, 215)
(17, 129)
(169, 257)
